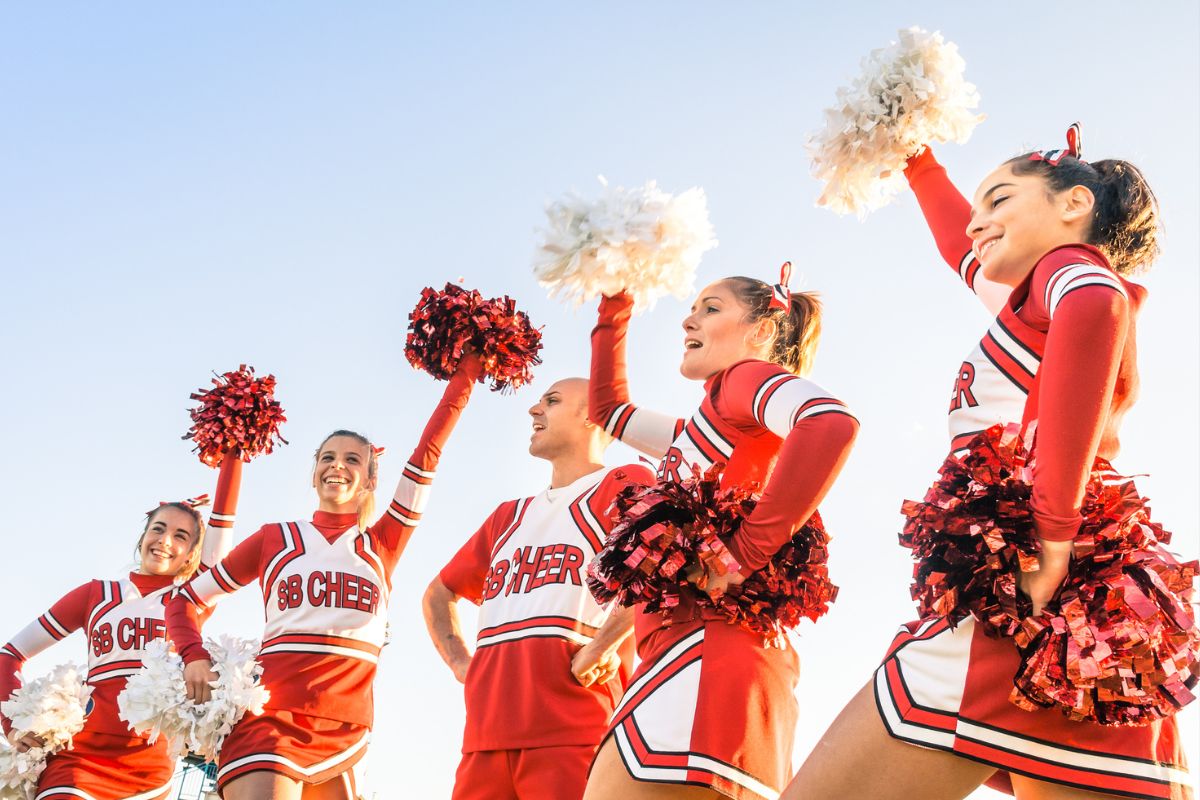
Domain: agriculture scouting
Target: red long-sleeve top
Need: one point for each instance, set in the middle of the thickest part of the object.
(767, 426)
(1062, 352)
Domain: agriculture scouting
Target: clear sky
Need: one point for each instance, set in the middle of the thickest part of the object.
(186, 188)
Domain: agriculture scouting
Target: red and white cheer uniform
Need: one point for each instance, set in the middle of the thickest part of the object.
(1061, 352)
(531, 728)
(107, 761)
(709, 704)
(325, 586)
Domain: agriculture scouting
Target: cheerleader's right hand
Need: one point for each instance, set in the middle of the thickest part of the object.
(198, 677)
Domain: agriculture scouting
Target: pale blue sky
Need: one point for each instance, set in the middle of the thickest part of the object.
(188, 188)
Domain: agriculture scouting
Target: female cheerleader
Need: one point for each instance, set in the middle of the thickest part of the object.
(106, 761)
(1063, 234)
(710, 711)
(325, 586)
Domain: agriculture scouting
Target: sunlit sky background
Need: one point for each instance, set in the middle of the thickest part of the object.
(185, 188)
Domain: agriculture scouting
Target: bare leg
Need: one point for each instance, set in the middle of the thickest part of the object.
(858, 758)
(611, 781)
(1030, 789)
(262, 785)
(339, 788)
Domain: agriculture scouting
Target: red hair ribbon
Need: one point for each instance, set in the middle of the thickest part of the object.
(1074, 148)
(199, 501)
(378, 452)
(781, 295)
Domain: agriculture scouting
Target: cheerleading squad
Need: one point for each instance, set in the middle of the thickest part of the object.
(575, 579)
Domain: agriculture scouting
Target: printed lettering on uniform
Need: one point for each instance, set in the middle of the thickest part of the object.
(668, 469)
(533, 568)
(328, 589)
(962, 388)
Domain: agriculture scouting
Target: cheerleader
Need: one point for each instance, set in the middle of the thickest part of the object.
(710, 710)
(1062, 235)
(325, 586)
(120, 618)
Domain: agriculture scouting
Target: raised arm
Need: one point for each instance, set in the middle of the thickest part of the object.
(817, 431)
(67, 615)
(608, 389)
(947, 213)
(218, 539)
(393, 530)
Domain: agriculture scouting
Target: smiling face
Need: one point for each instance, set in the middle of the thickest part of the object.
(170, 538)
(341, 474)
(1016, 219)
(718, 333)
(560, 421)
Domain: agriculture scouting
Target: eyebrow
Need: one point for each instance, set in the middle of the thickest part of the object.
(989, 193)
(549, 394)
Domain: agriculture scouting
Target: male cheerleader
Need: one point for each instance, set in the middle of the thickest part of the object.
(549, 664)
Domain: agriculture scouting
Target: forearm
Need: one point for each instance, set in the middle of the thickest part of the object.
(218, 539)
(183, 629)
(614, 631)
(440, 606)
(608, 387)
(446, 415)
(809, 462)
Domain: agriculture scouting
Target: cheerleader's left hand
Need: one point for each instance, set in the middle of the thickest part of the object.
(1054, 561)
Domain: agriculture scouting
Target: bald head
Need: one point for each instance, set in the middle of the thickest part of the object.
(560, 423)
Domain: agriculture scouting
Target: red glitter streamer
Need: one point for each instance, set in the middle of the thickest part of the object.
(1118, 642)
(445, 324)
(239, 415)
(668, 533)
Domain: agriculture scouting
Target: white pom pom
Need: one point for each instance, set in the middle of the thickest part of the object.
(910, 94)
(154, 701)
(52, 707)
(643, 241)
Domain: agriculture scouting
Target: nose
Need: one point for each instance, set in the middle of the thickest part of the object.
(689, 322)
(975, 225)
(535, 410)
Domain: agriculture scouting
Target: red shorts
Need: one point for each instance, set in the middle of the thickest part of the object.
(103, 766)
(307, 749)
(709, 705)
(536, 773)
(947, 689)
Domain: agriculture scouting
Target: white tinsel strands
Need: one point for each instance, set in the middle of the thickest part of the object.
(154, 701)
(643, 241)
(53, 707)
(910, 94)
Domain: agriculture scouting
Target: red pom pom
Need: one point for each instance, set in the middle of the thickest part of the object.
(239, 415)
(446, 323)
(1118, 643)
(671, 530)
(973, 534)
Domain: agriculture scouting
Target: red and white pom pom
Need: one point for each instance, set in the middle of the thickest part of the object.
(910, 94)
(642, 241)
(52, 707)
(668, 533)
(446, 324)
(239, 415)
(1118, 643)
(154, 701)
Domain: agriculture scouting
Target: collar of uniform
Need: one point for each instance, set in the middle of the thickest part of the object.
(150, 583)
(328, 519)
(573, 489)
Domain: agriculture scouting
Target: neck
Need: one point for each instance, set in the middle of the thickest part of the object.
(568, 469)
